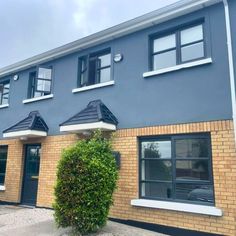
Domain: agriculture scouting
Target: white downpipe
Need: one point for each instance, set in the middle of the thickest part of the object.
(231, 63)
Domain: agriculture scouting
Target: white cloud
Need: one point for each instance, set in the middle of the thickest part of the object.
(31, 27)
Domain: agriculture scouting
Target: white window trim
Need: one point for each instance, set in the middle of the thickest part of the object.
(37, 99)
(2, 188)
(4, 106)
(25, 133)
(178, 67)
(89, 126)
(94, 86)
(176, 206)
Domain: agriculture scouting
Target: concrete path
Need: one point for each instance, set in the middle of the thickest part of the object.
(18, 221)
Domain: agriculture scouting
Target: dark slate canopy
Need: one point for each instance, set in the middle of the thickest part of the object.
(95, 111)
(33, 122)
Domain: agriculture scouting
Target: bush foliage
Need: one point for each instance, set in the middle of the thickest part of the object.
(86, 180)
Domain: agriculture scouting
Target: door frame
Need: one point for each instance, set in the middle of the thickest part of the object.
(24, 169)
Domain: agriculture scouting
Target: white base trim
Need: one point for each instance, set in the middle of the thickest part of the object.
(25, 134)
(94, 86)
(178, 67)
(4, 106)
(2, 188)
(89, 126)
(37, 99)
(176, 206)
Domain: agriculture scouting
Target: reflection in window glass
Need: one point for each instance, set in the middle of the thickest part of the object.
(163, 60)
(156, 190)
(164, 43)
(192, 34)
(195, 192)
(156, 149)
(192, 170)
(186, 148)
(184, 173)
(156, 170)
(192, 51)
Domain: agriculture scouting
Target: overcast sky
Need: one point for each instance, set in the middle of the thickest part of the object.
(29, 27)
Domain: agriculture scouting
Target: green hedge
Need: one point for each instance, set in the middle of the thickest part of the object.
(86, 179)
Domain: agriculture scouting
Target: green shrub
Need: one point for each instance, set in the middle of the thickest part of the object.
(86, 180)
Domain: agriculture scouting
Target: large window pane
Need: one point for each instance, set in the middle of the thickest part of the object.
(194, 192)
(104, 75)
(45, 73)
(163, 60)
(43, 85)
(156, 190)
(104, 60)
(156, 170)
(192, 170)
(156, 149)
(191, 148)
(192, 51)
(164, 43)
(192, 34)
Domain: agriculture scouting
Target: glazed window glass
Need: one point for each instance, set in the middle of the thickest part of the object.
(94, 68)
(177, 168)
(179, 47)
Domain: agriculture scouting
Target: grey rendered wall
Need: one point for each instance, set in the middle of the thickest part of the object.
(196, 94)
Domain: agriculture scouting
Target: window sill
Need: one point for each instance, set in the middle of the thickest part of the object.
(2, 188)
(4, 106)
(178, 67)
(94, 86)
(176, 206)
(37, 99)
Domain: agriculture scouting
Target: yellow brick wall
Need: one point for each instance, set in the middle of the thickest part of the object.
(224, 171)
(125, 141)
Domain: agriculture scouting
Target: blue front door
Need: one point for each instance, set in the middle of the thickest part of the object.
(31, 174)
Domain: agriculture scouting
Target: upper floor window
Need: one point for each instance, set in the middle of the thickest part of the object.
(178, 47)
(3, 163)
(177, 168)
(40, 82)
(4, 92)
(94, 69)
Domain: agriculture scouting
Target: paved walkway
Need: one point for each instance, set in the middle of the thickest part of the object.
(18, 221)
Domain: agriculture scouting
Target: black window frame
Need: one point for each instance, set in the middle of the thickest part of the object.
(33, 80)
(86, 72)
(4, 174)
(173, 159)
(5, 82)
(177, 32)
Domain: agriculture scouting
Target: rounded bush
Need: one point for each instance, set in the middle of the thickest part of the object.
(86, 180)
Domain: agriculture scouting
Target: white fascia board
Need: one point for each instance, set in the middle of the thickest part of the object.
(89, 126)
(25, 133)
(176, 206)
(156, 17)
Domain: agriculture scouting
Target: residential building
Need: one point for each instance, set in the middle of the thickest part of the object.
(164, 83)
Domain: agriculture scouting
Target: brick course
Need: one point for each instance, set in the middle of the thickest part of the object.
(126, 142)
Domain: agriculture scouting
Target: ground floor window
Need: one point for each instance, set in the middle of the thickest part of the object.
(3, 163)
(177, 168)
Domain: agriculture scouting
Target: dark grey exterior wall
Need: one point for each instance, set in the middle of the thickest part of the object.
(191, 95)
(232, 5)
